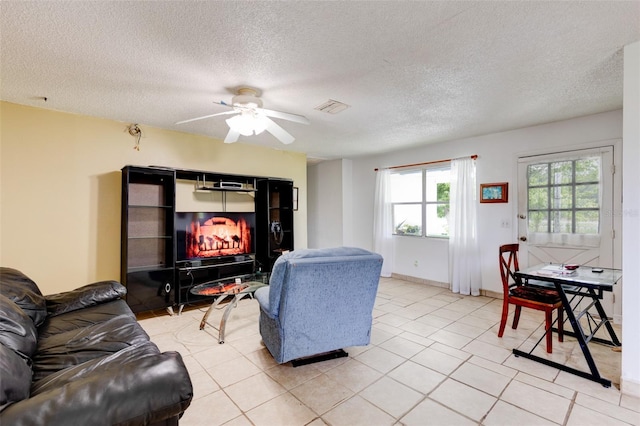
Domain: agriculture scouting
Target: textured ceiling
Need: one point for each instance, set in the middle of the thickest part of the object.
(412, 72)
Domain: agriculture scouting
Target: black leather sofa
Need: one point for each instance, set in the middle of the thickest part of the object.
(81, 358)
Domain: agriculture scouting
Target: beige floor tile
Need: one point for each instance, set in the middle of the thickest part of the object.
(215, 355)
(262, 358)
(380, 359)
(611, 395)
(435, 321)
(233, 371)
(545, 404)
(290, 377)
(630, 402)
(611, 410)
(401, 346)
(203, 384)
(424, 341)
(438, 361)
(354, 375)
(532, 367)
(481, 379)
(463, 399)
(392, 319)
(419, 328)
(448, 314)
(418, 377)
(358, 412)
(213, 410)
(450, 351)
(545, 385)
(380, 333)
(465, 329)
(493, 366)
(583, 416)
(321, 394)
(282, 410)
(448, 338)
(391, 396)
(487, 351)
(254, 391)
(238, 421)
(503, 414)
(431, 413)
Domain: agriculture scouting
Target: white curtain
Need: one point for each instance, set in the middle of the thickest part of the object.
(383, 222)
(464, 255)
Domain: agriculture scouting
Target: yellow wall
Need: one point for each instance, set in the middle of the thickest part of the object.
(60, 188)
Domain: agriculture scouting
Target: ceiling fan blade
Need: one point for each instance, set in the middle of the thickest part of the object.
(284, 115)
(232, 136)
(206, 116)
(280, 133)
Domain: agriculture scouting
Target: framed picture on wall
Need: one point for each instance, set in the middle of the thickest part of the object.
(494, 192)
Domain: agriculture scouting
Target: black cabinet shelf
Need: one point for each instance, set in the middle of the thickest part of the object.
(274, 220)
(148, 237)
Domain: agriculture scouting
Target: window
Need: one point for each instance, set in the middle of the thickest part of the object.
(564, 196)
(420, 202)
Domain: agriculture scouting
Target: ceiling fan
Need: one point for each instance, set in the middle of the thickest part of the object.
(252, 118)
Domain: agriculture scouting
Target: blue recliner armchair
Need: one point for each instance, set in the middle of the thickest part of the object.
(317, 301)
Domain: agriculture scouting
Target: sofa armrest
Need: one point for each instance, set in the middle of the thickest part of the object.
(262, 296)
(85, 296)
(142, 391)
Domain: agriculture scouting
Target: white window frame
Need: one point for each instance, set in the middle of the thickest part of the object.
(423, 203)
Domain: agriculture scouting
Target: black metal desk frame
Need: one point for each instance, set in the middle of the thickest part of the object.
(584, 284)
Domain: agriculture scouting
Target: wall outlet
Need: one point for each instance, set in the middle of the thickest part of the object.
(415, 263)
(504, 223)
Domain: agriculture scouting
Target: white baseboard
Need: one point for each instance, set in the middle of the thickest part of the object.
(630, 387)
(420, 280)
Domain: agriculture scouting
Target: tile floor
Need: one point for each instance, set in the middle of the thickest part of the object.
(434, 359)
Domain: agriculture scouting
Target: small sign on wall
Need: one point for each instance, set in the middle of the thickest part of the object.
(494, 192)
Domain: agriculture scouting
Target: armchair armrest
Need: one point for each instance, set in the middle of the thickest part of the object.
(85, 296)
(142, 391)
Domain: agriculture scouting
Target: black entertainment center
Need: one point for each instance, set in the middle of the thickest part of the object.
(168, 249)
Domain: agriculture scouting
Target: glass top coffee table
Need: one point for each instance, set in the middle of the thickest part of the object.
(237, 287)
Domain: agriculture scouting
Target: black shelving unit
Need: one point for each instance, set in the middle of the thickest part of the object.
(274, 220)
(148, 237)
(150, 270)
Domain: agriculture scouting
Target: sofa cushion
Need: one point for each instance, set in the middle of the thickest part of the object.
(24, 292)
(94, 366)
(66, 349)
(14, 387)
(83, 297)
(84, 317)
(17, 331)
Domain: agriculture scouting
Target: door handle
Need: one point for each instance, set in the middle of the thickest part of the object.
(523, 238)
(522, 216)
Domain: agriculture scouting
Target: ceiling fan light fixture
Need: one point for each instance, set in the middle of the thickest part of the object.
(260, 123)
(242, 123)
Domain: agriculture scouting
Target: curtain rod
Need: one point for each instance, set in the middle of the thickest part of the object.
(473, 157)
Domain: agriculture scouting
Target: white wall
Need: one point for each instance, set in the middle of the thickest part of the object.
(326, 204)
(630, 380)
(497, 162)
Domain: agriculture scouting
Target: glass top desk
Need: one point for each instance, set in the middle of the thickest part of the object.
(237, 287)
(584, 284)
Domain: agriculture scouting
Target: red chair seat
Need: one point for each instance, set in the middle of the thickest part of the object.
(537, 294)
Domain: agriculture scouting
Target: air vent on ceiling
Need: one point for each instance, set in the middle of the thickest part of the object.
(332, 107)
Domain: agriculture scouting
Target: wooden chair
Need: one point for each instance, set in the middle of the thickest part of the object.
(530, 296)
